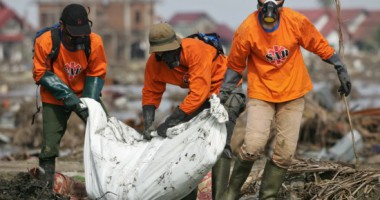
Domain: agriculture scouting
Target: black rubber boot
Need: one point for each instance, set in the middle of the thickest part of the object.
(241, 170)
(220, 176)
(192, 196)
(271, 182)
(47, 171)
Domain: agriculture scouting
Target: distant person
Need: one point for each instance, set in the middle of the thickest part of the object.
(65, 80)
(194, 65)
(268, 43)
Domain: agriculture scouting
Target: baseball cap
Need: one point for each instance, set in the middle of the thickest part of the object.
(74, 17)
(163, 38)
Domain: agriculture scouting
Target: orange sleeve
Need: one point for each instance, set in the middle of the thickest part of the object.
(314, 41)
(97, 65)
(240, 48)
(153, 90)
(42, 48)
(200, 70)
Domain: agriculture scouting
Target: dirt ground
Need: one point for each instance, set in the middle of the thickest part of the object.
(17, 183)
(303, 181)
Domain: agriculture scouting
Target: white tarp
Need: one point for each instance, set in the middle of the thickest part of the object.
(120, 164)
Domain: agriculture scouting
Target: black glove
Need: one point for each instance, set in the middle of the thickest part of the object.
(230, 81)
(345, 83)
(82, 111)
(235, 105)
(175, 118)
(148, 115)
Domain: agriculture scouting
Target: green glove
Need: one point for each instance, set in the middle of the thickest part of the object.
(93, 87)
(59, 90)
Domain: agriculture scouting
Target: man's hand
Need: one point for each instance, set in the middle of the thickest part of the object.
(148, 115)
(230, 82)
(147, 133)
(235, 105)
(82, 111)
(345, 83)
(223, 95)
(175, 118)
(162, 128)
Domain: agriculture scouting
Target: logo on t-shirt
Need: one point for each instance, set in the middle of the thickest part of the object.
(277, 55)
(72, 69)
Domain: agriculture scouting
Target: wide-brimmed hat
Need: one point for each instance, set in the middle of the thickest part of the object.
(75, 19)
(163, 38)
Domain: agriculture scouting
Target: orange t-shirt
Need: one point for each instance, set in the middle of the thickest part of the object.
(197, 71)
(70, 66)
(276, 70)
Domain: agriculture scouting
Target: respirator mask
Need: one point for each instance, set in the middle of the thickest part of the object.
(269, 10)
(171, 58)
(77, 42)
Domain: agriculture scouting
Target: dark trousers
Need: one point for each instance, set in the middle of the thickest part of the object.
(54, 126)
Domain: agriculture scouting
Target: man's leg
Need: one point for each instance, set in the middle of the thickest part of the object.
(288, 121)
(220, 176)
(54, 126)
(259, 118)
(234, 105)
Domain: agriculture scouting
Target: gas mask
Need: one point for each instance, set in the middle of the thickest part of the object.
(77, 42)
(171, 58)
(269, 10)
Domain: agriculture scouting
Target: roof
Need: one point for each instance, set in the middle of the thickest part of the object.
(313, 14)
(369, 26)
(347, 16)
(225, 32)
(5, 15)
(189, 17)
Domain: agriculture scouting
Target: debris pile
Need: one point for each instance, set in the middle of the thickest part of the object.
(310, 179)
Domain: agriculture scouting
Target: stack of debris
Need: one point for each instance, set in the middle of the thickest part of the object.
(309, 179)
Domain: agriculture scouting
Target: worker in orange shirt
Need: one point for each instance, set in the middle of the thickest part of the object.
(65, 80)
(192, 64)
(268, 43)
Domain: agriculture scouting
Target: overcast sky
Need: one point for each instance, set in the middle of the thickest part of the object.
(230, 12)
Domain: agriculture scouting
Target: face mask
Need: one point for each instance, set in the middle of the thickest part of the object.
(269, 11)
(171, 58)
(77, 42)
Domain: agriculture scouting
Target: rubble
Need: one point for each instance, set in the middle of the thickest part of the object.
(309, 179)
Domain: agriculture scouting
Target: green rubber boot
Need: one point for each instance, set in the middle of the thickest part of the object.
(47, 171)
(241, 170)
(220, 176)
(271, 182)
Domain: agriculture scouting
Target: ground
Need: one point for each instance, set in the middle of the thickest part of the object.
(17, 183)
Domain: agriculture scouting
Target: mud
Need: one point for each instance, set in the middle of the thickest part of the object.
(24, 186)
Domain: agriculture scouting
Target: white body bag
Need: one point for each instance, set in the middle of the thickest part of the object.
(120, 164)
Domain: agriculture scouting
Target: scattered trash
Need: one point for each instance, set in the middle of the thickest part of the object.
(205, 188)
(343, 150)
(64, 185)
